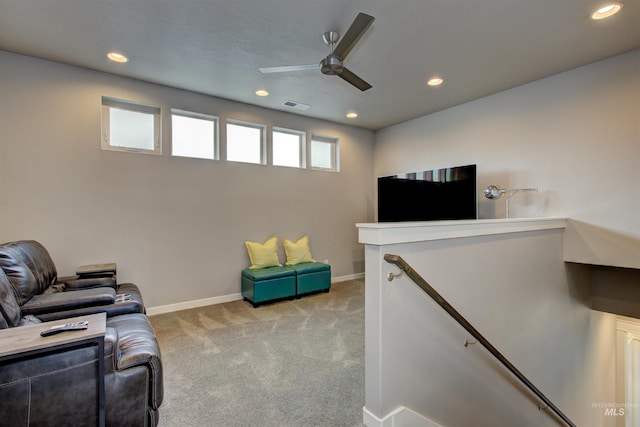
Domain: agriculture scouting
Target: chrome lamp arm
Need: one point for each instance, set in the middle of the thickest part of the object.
(494, 192)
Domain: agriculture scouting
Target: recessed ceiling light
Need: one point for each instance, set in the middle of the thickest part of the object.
(262, 92)
(435, 81)
(352, 115)
(117, 57)
(606, 11)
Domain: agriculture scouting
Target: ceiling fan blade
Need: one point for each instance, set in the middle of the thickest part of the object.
(287, 68)
(353, 34)
(349, 77)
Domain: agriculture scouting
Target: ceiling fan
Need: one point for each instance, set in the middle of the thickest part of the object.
(332, 64)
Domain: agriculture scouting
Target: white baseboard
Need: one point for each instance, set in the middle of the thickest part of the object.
(225, 298)
(348, 277)
(192, 304)
(399, 417)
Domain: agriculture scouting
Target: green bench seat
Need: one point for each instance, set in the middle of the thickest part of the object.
(312, 277)
(268, 284)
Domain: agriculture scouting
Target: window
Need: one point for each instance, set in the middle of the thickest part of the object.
(288, 147)
(324, 153)
(127, 126)
(245, 142)
(194, 135)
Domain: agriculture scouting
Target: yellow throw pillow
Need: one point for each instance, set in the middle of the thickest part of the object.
(263, 254)
(297, 252)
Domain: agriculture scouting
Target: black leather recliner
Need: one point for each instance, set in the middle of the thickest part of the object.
(40, 292)
(59, 388)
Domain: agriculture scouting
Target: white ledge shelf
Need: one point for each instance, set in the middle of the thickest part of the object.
(388, 233)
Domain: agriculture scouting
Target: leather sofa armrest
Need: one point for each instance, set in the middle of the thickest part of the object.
(111, 347)
(131, 304)
(65, 279)
(138, 347)
(62, 301)
(75, 283)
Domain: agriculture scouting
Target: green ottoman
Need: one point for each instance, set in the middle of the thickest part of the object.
(312, 277)
(268, 284)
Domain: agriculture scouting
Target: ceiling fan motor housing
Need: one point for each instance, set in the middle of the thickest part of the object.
(331, 65)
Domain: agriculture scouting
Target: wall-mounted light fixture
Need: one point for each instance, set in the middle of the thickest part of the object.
(494, 192)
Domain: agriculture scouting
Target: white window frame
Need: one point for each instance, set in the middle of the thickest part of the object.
(335, 152)
(216, 131)
(263, 140)
(302, 144)
(109, 103)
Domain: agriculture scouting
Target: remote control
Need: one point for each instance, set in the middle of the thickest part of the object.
(64, 328)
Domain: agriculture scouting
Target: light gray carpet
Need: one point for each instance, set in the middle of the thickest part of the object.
(291, 363)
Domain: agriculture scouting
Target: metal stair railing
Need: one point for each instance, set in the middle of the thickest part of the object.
(424, 285)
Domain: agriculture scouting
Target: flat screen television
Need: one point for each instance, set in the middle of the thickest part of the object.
(439, 194)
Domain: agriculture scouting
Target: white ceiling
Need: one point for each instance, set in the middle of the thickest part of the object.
(215, 47)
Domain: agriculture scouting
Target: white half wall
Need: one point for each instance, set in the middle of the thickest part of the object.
(516, 290)
(575, 136)
(175, 226)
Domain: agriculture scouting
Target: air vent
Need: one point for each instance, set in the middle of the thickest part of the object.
(296, 105)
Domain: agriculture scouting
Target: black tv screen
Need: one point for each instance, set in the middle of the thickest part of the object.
(439, 194)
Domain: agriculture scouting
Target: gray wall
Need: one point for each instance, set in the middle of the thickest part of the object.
(175, 226)
(576, 136)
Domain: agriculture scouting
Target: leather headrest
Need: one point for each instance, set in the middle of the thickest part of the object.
(29, 268)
